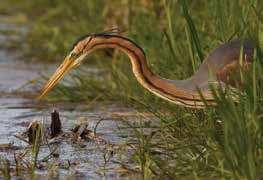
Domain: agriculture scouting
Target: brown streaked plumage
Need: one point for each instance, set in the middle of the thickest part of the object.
(216, 68)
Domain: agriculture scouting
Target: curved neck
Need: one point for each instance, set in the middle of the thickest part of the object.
(166, 89)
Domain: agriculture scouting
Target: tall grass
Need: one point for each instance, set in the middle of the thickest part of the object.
(222, 142)
(5, 168)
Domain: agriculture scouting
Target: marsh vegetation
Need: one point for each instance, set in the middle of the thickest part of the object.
(218, 142)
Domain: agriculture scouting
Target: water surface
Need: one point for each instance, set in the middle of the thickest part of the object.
(17, 111)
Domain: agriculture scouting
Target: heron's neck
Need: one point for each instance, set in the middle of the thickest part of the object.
(166, 89)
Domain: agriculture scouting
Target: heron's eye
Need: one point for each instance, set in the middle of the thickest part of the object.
(73, 55)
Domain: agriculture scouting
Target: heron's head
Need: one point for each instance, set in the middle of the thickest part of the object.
(80, 49)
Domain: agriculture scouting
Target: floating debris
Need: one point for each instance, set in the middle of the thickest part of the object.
(81, 132)
(55, 126)
(81, 129)
(8, 146)
(34, 132)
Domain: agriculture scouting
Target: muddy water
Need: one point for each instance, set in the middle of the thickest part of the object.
(16, 111)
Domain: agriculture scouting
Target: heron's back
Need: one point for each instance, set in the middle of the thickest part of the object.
(222, 61)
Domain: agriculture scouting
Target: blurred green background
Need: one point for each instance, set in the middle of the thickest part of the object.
(176, 34)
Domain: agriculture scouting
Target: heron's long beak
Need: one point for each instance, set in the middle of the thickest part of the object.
(67, 65)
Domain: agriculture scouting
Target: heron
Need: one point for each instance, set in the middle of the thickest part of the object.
(193, 92)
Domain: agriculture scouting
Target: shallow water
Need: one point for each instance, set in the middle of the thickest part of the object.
(17, 111)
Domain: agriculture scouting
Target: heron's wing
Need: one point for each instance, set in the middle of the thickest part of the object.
(222, 64)
(220, 69)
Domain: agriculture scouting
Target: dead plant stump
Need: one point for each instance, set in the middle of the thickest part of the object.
(55, 126)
